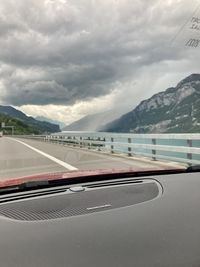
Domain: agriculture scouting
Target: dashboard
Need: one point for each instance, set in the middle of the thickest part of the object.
(146, 221)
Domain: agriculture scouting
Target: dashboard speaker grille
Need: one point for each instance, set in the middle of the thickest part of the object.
(72, 204)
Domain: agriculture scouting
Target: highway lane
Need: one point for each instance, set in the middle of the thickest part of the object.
(22, 157)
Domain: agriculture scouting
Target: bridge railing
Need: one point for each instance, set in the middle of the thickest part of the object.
(174, 147)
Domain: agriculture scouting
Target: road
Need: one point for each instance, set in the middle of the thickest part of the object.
(23, 157)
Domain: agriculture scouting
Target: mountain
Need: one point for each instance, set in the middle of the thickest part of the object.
(40, 127)
(92, 122)
(42, 118)
(176, 110)
(19, 126)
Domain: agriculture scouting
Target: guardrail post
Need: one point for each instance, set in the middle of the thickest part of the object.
(57, 140)
(69, 142)
(112, 146)
(74, 140)
(99, 139)
(89, 143)
(189, 155)
(153, 150)
(81, 141)
(129, 148)
(62, 140)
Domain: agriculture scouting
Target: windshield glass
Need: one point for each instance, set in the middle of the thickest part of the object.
(98, 85)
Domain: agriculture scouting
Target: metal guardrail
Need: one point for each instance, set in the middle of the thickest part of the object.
(174, 147)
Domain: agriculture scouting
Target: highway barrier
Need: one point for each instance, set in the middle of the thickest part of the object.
(183, 148)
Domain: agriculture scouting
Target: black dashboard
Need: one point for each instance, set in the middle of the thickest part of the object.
(146, 221)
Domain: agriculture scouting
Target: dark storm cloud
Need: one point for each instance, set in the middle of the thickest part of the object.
(60, 52)
(59, 86)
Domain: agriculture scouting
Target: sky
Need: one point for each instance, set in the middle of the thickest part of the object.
(65, 59)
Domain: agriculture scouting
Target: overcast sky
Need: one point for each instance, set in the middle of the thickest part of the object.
(64, 59)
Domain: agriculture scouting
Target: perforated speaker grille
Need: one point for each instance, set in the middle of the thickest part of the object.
(72, 204)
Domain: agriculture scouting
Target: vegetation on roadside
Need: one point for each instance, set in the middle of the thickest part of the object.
(19, 126)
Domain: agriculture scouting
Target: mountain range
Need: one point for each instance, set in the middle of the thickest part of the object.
(175, 110)
(42, 118)
(34, 126)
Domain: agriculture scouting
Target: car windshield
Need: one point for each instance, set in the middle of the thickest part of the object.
(89, 85)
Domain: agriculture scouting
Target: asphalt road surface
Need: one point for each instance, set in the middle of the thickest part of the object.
(23, 157)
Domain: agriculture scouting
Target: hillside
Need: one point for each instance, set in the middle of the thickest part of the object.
(39, 126)
(19, 126)
(176, 110)
(42, 118)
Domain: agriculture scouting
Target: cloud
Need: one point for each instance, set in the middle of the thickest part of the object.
(61, 53)
(68, 114)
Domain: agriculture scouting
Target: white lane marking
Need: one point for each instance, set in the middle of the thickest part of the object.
(58, 161)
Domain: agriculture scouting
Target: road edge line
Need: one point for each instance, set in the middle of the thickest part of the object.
(58, 161)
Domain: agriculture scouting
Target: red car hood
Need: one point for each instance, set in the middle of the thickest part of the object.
(90, 174)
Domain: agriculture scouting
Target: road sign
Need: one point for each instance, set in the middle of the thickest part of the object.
(3, 125)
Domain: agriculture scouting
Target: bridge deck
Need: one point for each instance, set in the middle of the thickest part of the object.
(22, 157)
